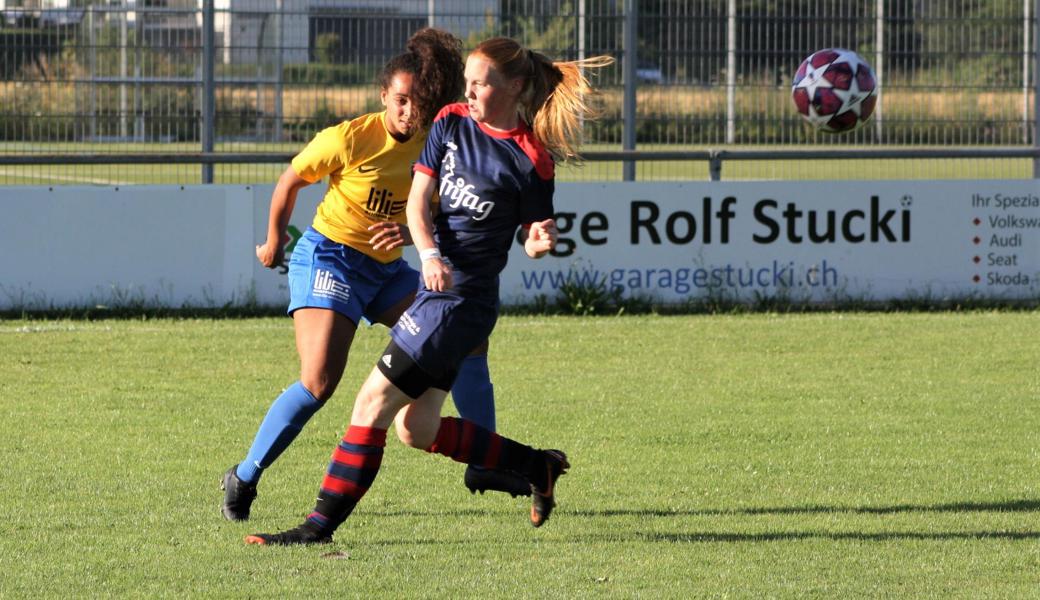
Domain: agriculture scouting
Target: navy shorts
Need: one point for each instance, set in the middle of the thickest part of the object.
(440, 329)
(328, 274)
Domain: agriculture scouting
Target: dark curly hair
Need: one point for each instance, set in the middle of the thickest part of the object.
(434, 60)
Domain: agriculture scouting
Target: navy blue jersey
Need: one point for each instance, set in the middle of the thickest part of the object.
(490, 182)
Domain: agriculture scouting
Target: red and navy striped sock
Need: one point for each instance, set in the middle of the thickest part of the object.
(355, 464)
(466, 442)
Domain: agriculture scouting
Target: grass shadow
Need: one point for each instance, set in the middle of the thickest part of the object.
(717, 537)
(1008, 506)
(953, 507)
(714, 537)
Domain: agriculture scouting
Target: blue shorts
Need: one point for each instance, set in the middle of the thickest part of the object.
(328, 274)
(440, 329)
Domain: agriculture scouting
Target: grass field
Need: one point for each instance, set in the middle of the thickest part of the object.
(814, 455)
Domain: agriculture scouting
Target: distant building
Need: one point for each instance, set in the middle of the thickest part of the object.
(251, 31)
(345, 31)
(39, 13)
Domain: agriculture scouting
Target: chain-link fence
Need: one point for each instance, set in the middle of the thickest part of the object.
(144, 78)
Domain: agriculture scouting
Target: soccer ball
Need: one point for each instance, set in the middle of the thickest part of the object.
(835, 90)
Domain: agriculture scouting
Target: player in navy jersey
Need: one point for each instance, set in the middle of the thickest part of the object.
(491, 160)
(348, 265)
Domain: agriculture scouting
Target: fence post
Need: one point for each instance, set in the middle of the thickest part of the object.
(879, 50)
(92, 67)
(1036, 86)
(123, 74)
(138, 72)
(629, 74)
(731, 71)
(208, 92)
(278, 68)
(1027, 44)
(580, 26)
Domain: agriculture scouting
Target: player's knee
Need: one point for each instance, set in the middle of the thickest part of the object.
(376, 404)
(321, 385)
(367, 409)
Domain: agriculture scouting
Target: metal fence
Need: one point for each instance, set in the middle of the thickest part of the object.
(189, 91)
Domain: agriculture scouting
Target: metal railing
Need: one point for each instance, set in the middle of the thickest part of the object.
(698, 83)
(714, 157)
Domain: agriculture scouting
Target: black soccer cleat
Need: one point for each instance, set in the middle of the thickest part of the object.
(496, 480)
(543, 500)
(238, 496)
(308, 533)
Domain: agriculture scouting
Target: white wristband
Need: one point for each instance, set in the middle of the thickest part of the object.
(429, 254)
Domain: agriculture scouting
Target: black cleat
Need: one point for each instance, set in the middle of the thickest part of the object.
(543, 500)
(497, 480)
(238, 496)
(308, 533)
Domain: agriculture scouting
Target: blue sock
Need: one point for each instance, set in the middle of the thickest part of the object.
(284, 420)
(473, 393)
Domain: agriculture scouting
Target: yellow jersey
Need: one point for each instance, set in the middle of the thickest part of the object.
(370, 174)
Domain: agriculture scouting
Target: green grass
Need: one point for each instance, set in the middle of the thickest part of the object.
(819, 455)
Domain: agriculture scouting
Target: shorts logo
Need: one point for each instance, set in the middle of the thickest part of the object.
(326, 286)
(386, 360)
(407, 323)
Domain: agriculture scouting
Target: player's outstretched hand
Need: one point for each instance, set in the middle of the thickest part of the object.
(541, 238)
(389, 235)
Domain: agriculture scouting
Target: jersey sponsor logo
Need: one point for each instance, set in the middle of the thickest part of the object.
(461, 194)
(381, 203)
(407, 323)
(327, 286)
(458, 191)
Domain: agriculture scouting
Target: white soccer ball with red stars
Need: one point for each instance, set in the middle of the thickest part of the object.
(835, 90)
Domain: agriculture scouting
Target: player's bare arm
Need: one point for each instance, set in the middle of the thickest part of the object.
(436, 274)
(271, 253)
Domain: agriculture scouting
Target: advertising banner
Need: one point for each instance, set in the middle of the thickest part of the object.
(825, 241)
(804, 241)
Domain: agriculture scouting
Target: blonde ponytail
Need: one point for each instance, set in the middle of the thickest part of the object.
(557, 118)
(556, 98)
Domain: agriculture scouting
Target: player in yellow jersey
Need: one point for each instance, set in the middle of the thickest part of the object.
(348, 265)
